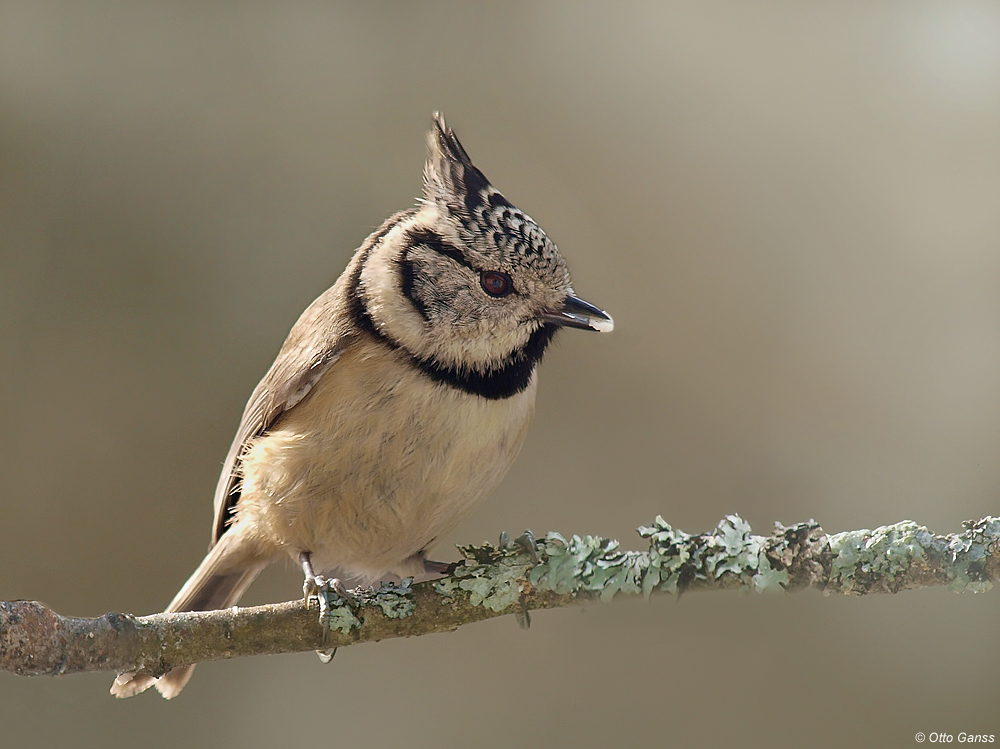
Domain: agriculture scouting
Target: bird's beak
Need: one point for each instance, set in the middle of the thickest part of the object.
(576, 313)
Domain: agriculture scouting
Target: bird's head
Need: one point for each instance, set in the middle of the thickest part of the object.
(466, 279)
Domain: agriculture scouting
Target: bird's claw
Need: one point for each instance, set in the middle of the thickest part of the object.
(527, 542)
(323, 589)
(325, 656)
(439, 568)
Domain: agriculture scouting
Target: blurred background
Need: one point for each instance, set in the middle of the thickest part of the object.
(791, 210)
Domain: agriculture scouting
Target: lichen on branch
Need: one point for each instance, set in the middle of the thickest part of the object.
(515, 577)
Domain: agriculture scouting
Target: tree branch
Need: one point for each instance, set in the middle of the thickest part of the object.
(514, 578)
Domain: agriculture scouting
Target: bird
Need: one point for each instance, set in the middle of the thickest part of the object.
(399, 400)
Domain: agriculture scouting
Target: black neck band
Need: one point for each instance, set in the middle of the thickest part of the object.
(511, 378)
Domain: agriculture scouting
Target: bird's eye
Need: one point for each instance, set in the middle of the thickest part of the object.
(496, 283)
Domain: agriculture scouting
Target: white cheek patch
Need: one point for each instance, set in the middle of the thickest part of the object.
(465, 333)
(389, 308)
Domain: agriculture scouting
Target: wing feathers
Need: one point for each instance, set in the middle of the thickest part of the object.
(322, 332)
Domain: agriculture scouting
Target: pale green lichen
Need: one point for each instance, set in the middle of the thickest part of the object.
(768, 579)
(494, 577)
(445, 587)
(588, 563)
(888, 551)
(737, 549)
(969, 552)
(342, 619)
(892, 550)
(733, 548)
(591, 563)
(394, 600)
(668, 553)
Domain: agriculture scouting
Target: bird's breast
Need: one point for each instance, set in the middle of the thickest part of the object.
(377, 462)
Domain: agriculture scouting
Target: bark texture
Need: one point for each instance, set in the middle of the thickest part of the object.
(514, 577)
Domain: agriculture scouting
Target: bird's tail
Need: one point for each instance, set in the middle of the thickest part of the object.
(219, 582)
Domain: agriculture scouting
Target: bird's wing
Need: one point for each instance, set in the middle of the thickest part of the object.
(319, 336)
(313, 345)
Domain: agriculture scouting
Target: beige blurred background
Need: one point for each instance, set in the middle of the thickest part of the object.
(791, 209)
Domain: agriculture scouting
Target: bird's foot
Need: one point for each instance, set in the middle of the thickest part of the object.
(328, 593)
(439, 568)
(527, 542)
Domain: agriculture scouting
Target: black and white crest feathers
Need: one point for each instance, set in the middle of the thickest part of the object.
(450, 177)
(488, 219)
